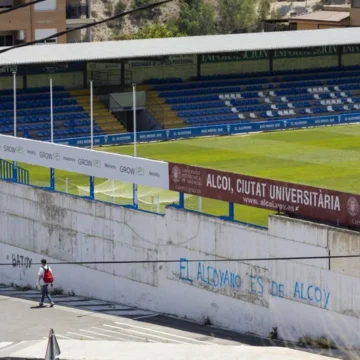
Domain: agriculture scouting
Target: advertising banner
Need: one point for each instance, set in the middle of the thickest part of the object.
(306, 201)
(84, 161)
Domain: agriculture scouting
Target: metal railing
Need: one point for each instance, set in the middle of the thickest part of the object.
(7, 172)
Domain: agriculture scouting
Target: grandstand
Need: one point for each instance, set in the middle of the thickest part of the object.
(260, 97)
(71, 113)
(188, 82)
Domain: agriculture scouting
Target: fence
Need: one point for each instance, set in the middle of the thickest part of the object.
(14, 173)
(215, 130)
(150, 198)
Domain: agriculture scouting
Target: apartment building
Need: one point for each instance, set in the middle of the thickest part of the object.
(44, 19)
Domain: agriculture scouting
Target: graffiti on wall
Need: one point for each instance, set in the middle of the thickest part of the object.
(21, 261)
(256, 285)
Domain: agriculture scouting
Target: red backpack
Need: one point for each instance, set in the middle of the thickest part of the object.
(48, 276)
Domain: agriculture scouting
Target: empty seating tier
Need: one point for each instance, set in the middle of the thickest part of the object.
(257, 97)
(70, 114)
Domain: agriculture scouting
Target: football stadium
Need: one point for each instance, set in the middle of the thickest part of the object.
(202, 149)
(194, 88)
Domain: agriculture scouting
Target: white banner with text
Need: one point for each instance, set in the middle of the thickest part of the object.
(84, 161)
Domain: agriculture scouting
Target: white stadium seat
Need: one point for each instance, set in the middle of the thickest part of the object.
(241, 116)
(234, 109)
(253, 116)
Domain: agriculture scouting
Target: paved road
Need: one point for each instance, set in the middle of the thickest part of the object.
(75, 318)
(79, 318)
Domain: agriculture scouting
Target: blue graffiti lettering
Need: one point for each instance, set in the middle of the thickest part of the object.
(184, 268)
(256, 285)
(312, 294)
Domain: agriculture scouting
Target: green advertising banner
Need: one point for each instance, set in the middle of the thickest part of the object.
(278, 54)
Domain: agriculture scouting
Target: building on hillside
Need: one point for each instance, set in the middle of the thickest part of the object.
(44, 19)
(331, 16)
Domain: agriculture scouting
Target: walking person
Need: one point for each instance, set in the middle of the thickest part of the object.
(45, 279)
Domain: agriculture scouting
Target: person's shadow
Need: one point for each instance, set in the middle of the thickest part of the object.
(39, 307)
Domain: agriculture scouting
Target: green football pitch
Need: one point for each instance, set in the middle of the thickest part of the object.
(327, 157)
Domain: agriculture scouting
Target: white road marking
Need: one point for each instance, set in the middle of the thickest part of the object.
(3, 344)
(146, 316)
(11, 346)
(81, 335)
(164, 333)
(95, 333)
(119, 333)
(63, 336)
(149, 335)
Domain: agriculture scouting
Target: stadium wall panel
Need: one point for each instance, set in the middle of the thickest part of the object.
(7, 82)
(350, 59)
(306, 63)
(233, 67)
(300, 298)
(70, 81)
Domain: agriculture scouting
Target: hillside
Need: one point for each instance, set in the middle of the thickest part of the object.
(102, 9)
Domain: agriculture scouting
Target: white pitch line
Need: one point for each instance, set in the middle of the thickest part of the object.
(82, 335)
(95, 333)
(146, 316)
(119, 333)
(165, 333)
(149, 335)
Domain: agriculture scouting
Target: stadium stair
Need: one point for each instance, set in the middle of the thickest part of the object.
(107, 122)
(163, 112)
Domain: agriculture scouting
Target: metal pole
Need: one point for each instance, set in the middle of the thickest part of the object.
(51, 112)
(199, 204)
(91, 116)
(91, 136)
(66, 185)
(113, 191)
(52, 171)
(14, 78)
(134, 108)
(158, 204)
(15, 125)
(134, 132)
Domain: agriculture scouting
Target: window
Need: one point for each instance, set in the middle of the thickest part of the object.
(47, 5)
(356, 4)
(44, 33)
(6, 40)
(6, 4)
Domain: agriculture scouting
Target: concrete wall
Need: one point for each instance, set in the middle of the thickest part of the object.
(300, 297)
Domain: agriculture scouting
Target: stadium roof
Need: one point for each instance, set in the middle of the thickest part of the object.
(111, 50)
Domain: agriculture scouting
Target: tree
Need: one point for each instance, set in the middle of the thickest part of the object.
(150, 31)
(196, 18)
(264, 9)
(237, 16)
(148, 14)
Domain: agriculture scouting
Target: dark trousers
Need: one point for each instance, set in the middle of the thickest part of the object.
(45, 292)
